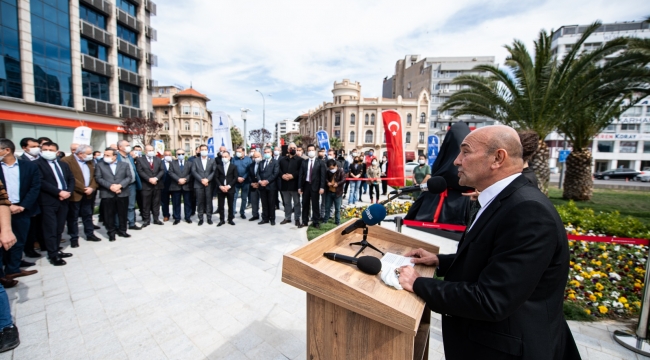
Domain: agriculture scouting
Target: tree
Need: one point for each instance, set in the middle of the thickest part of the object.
(235, 136)
(256, 137)
(304, 140)
(145, 129)
(335, 143)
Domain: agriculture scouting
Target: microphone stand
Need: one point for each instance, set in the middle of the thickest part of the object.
(364, 243)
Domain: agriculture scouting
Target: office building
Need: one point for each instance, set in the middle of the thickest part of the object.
(71, 63)
(284, 127)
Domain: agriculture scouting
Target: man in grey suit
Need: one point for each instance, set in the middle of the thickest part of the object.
(180, 172)
(151, 171)
(113, 179)
(203, 172)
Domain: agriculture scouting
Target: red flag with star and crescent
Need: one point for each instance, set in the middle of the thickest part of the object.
(394, 147)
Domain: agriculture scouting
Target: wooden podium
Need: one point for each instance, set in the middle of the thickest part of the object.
(352, 315)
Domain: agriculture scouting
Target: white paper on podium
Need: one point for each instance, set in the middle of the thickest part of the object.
(389, 263)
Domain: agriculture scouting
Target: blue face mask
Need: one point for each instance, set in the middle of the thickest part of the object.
(267, 156)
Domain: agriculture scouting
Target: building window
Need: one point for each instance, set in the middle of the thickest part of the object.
(196, 126)
(646, 147)
(127, 35)
(337, 119)
(186, 110)
(633, 111)
(186, 126)
(93, 49)
(166, 112)
(408, 137)
(11, 83)
(628, 147)
(94, 86)
(610, 128)
(606, 146)
(630, 127)
(367, 121)
(127, 63)
(646, 127)
(196, 110)
(353, 119)
(337, 134)
(372, 119)
(421, 138)
(409, 119)
(129, 95)
(187, 146)
(423, 118)
(351, 136)
(166, 126)
(127, 7)
(197, 143)
(92, 17)
(369, 137)
(51, 52)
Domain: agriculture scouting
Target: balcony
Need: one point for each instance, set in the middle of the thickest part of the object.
(129, 49)
(151, 33)
(151, 59)
(97, 66)
(150, 6)
(128, 20)
(98, 106)
(129, 77)
(130, 112)
(102, 6)
(151, 83)
(92, 32)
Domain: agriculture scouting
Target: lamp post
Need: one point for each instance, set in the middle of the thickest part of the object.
(263, 116)
(244, 114)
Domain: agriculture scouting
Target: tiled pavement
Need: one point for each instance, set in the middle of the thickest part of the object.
(189, 292)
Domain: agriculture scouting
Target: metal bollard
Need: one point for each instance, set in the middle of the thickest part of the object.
(638, 342)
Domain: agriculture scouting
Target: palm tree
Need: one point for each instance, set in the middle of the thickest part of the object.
(335, 143)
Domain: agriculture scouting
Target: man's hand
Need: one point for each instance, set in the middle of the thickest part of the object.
(64, 195)
(321, 191)
(421, 256)
(240, 179)
(115, 188)
(153, 181)
(299, 191)
(205, 182)
(472, 195)
(223, 189)
(264, 182)
(15, 209)
(407, 276)
(335, 184)
(182, 181)
(255, 185)
(289, 177)
(88, 190)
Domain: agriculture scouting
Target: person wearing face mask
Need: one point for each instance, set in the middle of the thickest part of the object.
(253, 171)
(268, 174)
(421, 174)
(31, 151)
(165, 194)
(350, 160)
(311, 186)
(57, 185)
(81, 204)
(383, 165)
(334, 193)
(190, 160)
(322, 156)
(225, 177)
(217, 160)
(300, 152)
(114, 180)
(356, 171)
(242, 186)
(124, 155)
(290, 172)
(203, 173)
(23, 184)
(151, 171)
(136, 153)
(181, 186)
(374, 179)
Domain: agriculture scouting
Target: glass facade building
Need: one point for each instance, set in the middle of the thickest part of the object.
(10, 75)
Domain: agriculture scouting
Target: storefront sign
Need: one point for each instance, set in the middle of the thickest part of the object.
(622, 137)
(634, 120)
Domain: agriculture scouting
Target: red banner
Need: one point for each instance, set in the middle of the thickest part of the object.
(394, 147)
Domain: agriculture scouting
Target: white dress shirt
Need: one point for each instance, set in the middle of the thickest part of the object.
(309, 168)
(85, 170)
(485, 198)
(225, 172)
(12, 181)
(204, 161)
(113, 166)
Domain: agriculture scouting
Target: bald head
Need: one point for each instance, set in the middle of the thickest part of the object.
(502, 137)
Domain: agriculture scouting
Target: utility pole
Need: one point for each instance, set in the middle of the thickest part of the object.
(244, 114)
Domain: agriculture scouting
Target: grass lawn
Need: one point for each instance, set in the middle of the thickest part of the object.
(313, 233)
(633, 203)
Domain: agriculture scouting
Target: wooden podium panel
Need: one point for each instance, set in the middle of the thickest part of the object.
(353, 315)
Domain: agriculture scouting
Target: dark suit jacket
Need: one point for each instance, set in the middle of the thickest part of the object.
(271, 173)
(176, 174)
(339, 177)
(30, 187)
(252, 175)
(49, 187)
(229, 179)
(79, 183)
(503, 289)
(199, 173)
(105, 178)
(317, 178)
(145, 172)
(166, 180)
(290, 165)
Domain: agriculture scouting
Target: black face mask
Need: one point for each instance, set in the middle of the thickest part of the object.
(292, 152)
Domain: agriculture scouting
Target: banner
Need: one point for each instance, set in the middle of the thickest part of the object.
(221, 131)
(211, 148)
(159, 147)
(433, 148)
(323, 139)
(394, 147)
(81, 135)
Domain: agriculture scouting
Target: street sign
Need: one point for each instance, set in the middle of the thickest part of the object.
(433, 148)
(563, 155)
(211, 148)
(82, 135)
(159, 147)
(323, 139)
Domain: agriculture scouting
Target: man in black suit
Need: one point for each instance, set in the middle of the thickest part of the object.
(311, 186)
(151, 171)
(181, 186)
(225, 178)
(503, 290)
(254, 198)
(32, 151)
(165, 194)
(203, 174)
(57, 185)
(23, 184)
(268, 173)
(114, 178)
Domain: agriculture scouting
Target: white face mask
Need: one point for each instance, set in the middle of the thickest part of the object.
(239, 154)
(276, 152)
(108, 160)
(99, 157)
(88, 157)
(127, 149)
(35, 151)
(204, 152)
(258, 159)
(151, 154)
(374, 163)
(168, 158)
(354, 154)
(137, 153)
(311, 154)
(226, 161)
(333, 170)
(421, 162)
(49, 155)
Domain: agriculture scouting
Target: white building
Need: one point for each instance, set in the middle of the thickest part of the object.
(626, 142)
(283, 127)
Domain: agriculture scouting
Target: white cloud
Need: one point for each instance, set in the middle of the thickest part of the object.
(295, 50)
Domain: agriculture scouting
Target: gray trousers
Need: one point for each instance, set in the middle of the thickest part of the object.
(292, 204)
(255, 202)
(322, 207)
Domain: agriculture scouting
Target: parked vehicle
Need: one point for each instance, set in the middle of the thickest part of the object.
(644, 176)
(621, 173)
(408, 168)
(554, 170)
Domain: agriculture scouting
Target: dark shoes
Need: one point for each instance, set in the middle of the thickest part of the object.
(21, 274)
(96, 227)
(243, 216)
(123, 234)
(210, 222)
(176, 222)
(188, 221)
(9, 339)
(221, 223)
(285, 221)
(74, 243)
(8, 283)
(93, 238)
(24, 263)
(262, 222)
(32, 254)
(145, 224)
(200, 222)
(273, 222)
(231, 222)
(135, 227)
(57, 261)
(300, 225)
(254, 218)
(158, 222)
(64, 255)
(111, 238)
(316, 225)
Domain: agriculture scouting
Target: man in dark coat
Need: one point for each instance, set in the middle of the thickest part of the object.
(151, 171)
(225, 177)
(503, 291)
(268, 172)
(290, 173)
(180, 173)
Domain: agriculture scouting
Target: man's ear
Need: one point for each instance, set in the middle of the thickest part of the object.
(500, 157)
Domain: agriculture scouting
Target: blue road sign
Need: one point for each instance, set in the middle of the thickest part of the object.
(563, 155)
(211, 148)
(433, 148)
(323, 139)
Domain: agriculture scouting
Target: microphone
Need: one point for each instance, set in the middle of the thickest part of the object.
(373, 215)
(368, 264)
(434, 185)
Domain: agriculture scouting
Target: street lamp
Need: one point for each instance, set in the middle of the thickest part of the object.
(263, 115)
(244, 113)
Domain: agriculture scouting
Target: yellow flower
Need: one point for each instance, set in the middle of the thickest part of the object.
(626, 305)
(637, 304)
(599, 263)
(574, 283)
(605, 255)
(592, 297)
(603, 247)
(637, 285)
(599, 294)
(603, 309)
(599, 287)
(577, 267)
(570, 243)
(572, 297)
(571, 263)
(588, 311)
(622, 300)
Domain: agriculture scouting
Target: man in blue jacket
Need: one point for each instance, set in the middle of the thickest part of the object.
(242, 186)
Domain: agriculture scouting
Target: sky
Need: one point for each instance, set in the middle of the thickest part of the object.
(293, 51)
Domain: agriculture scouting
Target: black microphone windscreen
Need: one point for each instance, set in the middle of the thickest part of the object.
(369, 265)
(436, 184)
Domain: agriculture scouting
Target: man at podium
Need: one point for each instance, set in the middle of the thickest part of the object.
(502, 293)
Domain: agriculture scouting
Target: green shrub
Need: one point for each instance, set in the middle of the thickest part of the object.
(612, 224)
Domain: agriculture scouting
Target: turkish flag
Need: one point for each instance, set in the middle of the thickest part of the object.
(394, 147)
